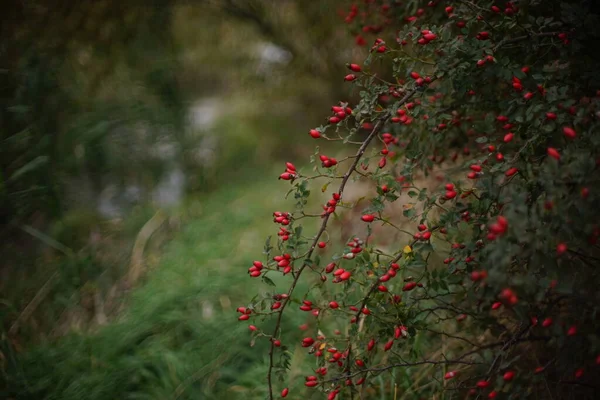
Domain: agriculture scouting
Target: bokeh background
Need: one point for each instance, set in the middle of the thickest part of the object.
(140, 143)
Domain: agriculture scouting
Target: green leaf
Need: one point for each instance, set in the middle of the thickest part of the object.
(30, 166)
(268, 280)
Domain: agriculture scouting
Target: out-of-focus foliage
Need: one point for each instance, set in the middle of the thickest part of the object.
(110, 110)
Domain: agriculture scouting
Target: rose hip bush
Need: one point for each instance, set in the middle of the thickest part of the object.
(499, 277)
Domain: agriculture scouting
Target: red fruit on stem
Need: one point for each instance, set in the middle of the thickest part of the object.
(315, 134)
(569, 132)
(450, 375)
(354, 67)
(552, 152)
(388, 345)
(511, 171)
(368, 218)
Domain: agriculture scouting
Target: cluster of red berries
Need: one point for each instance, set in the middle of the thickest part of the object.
(508, 296)
(284, 262)
(410, 286)
(379, 46)
(498, 228)
(245, 313)
(402, 117)
(282, 218)
(450, 191)
(391, 273)
(351, 14)
(327, 162)
(423, 233)
(420, 81)
(510, 9)
(427, 36)
(355, 246)
(290, 172)
(482, 35)
(399, 332)
(329, 207)
(340, 112)
(255, 269)
(307, 306)
(341, 275)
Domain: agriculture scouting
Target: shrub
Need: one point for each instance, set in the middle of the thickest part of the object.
(491, 289)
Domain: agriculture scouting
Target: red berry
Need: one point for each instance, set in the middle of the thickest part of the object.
(569, 132)
(450, 375)
(354, 67)
(368, 218)
(284, 392)
(350, 77)
(511, 171)
(322, 245)
(547, 322)
(585, 192)
(450, 194)
(561, 248)
(552, 152)
(482, 384)
(572, 331)
(333, 305)
(409, 286)
(388, 345)
(508, 376)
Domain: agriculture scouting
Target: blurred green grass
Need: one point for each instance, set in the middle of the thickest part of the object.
(179, 337)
